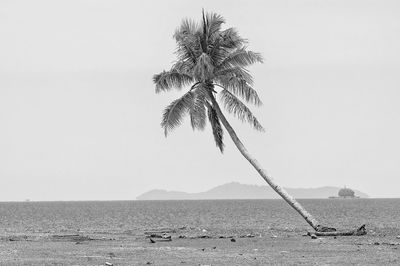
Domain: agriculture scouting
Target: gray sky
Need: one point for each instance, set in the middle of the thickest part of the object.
(79, 118)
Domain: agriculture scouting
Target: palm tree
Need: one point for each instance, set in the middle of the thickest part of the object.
(210, 58)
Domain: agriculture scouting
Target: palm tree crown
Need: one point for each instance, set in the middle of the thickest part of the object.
(207, 57)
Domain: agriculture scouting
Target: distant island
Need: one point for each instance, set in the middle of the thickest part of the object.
(345, 193)
(236, 190)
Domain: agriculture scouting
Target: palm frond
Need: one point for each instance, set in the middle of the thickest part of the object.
(188, 47)
(197, 111)
(241, 57)
(239, 87)
(213, 49)
(222, 43)
(214, 23)
(187, 28)
(216, 127)
(167, 80)
(174, 113)
(203, 38)
(235, 106)
(231, 39)
(237, 72)
(204, 67)
(184, 67)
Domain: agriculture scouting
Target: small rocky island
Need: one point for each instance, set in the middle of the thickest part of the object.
(345, 193)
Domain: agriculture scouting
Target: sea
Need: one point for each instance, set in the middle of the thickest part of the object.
(381, 216)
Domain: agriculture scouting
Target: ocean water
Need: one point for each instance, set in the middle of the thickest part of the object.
(382, 216)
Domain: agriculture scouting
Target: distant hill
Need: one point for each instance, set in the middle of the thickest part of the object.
(236, 190)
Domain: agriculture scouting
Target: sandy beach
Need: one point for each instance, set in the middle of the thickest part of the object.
(279, 248)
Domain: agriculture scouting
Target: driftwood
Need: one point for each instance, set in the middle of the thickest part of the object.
(72, 237)
(357, 232)
(164, 239)
(15, 238)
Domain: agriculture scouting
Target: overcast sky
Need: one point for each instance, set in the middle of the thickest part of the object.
(79, 118)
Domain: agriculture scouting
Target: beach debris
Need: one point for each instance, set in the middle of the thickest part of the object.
(164, 239)
(148, 263)
(111, 254)
(105, 238)
(398, 237)
(380, 243)
(71, 237)
(313, 236)
(199, 236)
(15, 238)
(108, 264)
(158, 237)
(386, 243)
(248, 235)
(225, 237)
(357, 232)
(220, 236)
(214, 247)
(274, 236)
(203, 249)
(233, 240)
(154, 236)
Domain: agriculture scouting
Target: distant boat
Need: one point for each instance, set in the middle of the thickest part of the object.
(27, 200)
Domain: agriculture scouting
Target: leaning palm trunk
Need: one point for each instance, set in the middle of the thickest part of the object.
(280, 190)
